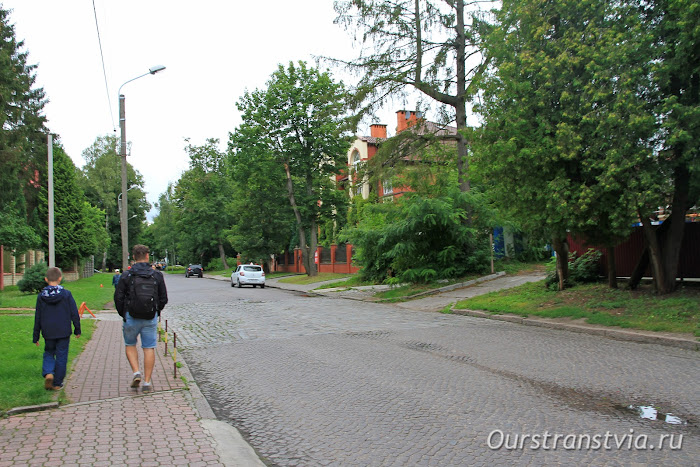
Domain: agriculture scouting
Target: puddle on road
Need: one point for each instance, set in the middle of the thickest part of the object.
(575, 398)
(649, 412)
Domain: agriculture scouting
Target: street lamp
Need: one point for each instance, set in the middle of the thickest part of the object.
(119, 198)
(122, 124)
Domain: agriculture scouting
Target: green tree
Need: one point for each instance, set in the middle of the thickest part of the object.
(669, 174)
(297, 120)
(547, 150)
(163, 234)
(431, 46)
(22, 140)
(97, 237)
(203, 194)
(101, 182)
(583, 129)
(263, 220)
(74, 234)
(15, 233)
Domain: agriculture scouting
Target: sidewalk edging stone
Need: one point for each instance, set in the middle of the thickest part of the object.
(458, 285)
(618, 334)
(31, 408)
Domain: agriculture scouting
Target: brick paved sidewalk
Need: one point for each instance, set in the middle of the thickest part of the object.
(109, 423)
(102, 371)
(158, 429)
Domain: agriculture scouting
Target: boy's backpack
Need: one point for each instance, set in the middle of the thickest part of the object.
(142, 302)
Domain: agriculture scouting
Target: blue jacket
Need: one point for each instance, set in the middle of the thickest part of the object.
(55, 310)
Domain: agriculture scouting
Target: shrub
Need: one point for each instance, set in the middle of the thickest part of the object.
(421, 239)
(216, 265)
(585, 268)
(33, 280)
(582, 269)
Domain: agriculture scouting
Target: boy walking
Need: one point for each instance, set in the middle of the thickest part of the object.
(139, 298)
(55, 310)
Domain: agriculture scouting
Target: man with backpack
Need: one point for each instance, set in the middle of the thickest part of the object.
(140, 296)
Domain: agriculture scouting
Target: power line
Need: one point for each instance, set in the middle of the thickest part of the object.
(104, 72)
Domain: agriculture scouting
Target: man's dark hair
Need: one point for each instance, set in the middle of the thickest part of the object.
(139, 252)
(53, 274)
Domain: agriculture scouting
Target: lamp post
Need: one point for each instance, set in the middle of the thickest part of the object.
(122, 124)
(119, 198)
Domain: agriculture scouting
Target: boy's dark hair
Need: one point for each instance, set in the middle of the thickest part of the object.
(139, 252)
(53, 274)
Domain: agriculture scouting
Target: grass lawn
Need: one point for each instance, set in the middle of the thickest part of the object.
(598, 304)
(352, 281)
(304, 279)
(21, 383)
(174, 270)
(95, 291)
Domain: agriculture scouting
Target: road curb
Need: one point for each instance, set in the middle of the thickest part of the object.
(459, 285)
(618, 334)
(229, 444)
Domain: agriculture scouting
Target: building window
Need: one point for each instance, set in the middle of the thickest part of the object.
(387, 188)
(355, 160)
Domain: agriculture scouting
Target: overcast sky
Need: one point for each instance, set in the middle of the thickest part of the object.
(213, 50)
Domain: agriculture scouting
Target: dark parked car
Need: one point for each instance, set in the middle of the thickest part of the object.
(194, 270)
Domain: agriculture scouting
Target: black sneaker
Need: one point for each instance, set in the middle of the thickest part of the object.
(147, 387)
(137, 380)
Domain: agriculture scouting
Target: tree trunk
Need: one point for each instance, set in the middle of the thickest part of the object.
(654, 254)
(104, 255)
(297, 215)
(461, 104)
(222, 255)
(612, 269)
(313, 248)
(643, 261)
(313, 234)
(561, 248)
(459, 100)
(674, 237)
(639, 269)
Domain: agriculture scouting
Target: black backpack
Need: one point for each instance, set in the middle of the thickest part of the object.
(142, 301)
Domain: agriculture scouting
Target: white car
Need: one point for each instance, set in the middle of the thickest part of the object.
(248, 274)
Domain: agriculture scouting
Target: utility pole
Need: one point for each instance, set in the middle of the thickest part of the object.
(122, 125)
(52, 245)
(123, 213)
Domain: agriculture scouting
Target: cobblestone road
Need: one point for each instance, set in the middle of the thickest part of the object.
(319, 381)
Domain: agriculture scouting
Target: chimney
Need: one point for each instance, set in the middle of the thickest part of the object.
(377, 130)
(405, 119)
